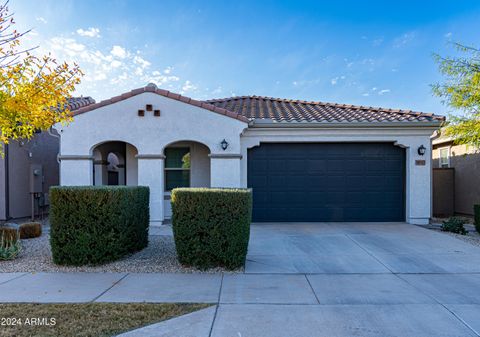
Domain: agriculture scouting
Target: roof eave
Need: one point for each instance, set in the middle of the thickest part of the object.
(268, 123)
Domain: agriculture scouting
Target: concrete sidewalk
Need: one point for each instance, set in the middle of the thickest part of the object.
(276, 304)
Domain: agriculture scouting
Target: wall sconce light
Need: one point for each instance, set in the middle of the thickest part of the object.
(421, 150)
(224, 144)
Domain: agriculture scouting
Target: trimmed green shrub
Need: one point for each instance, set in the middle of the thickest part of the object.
(97, 224)
(454, 225)
(211, 227)
(476, 212)
(9, 246)
(30, 230)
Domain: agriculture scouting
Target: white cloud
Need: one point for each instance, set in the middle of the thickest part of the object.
(188, 86)
(403, 40)
(116, 63)
(66, 45)
(366, 94)
(119, 52)
(110, 69)
(448, 35)
(383, 91)
(335, 80)
(41, 19)
(217, 91)
(141, 62)
(377, 42)
(90, 32)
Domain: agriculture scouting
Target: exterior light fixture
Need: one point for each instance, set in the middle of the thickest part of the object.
(421, 150)
(224, 144)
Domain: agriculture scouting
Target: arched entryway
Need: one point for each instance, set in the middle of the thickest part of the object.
(115, 163)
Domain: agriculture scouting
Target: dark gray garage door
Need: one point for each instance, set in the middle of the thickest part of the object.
(327, 182)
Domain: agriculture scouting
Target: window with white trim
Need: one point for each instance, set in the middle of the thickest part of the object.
(444, 157)
(177, 167)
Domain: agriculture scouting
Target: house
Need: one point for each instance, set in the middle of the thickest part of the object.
(28, 169)
(456, 176)
(305, 161)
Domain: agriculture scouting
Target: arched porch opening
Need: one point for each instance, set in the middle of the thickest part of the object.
(187, 164)
(115, 163)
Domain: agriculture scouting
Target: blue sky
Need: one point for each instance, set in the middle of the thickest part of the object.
(373, 53)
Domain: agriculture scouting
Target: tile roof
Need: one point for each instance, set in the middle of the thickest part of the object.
(251, 108)
(153, 89)
(285, 110)
(75, 103)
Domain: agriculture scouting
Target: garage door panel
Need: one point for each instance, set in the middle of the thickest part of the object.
(327, 182)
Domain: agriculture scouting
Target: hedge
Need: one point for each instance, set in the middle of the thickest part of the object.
(211, 227)
(476, 212)
(92, 225)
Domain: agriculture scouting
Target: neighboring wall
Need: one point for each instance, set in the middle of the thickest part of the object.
(466, 162)
(43, 150)
(2, 189)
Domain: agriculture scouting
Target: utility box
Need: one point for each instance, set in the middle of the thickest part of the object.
(36, 178)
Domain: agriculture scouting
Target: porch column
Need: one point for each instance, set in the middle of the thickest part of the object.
(225, 170)
(150, 173)
(101, 173)
(76, 170)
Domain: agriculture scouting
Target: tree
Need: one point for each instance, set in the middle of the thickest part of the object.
(34, 90)
(461, 91)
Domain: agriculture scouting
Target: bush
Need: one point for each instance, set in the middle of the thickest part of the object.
(9, 246)
(97, 224)
(30, 230)
(476, 212)
(454, 225)
(211, 227)
(9, 233)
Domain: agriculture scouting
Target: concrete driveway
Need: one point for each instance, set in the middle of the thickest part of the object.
(352, 248)
(342, 280)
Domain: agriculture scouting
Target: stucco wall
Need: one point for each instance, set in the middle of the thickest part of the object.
(2, 190)
(178, 121)
(466, 162)
(42, 150)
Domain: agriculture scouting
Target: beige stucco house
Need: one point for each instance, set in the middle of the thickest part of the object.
(305, 161)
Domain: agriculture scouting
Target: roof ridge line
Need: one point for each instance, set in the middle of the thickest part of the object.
(341, 105)
(162, 92)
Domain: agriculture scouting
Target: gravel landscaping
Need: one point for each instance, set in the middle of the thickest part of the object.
(159, 257)
(471, 237)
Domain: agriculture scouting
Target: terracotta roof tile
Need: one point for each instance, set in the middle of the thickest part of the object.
(79, 102)
(287, 110)
(249, 108)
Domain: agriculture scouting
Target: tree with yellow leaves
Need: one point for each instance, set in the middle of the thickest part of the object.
(33, 90)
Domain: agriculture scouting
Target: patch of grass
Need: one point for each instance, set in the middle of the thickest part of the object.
(87, 319)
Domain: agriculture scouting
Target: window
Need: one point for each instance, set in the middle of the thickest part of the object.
(177, 167)
(445, 157)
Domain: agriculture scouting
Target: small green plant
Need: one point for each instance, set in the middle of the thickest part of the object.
(30, 230)
(454, 225)
(476, 211)
(9, 247)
